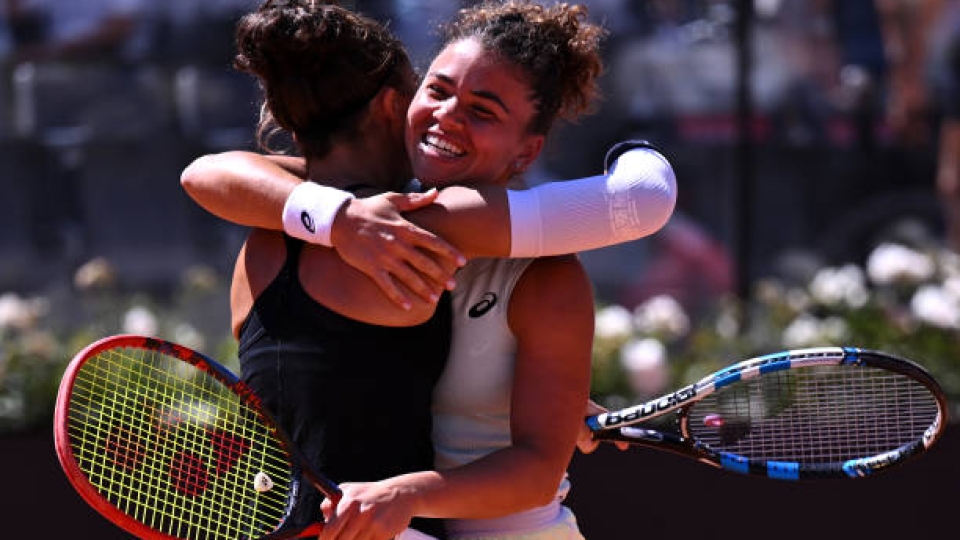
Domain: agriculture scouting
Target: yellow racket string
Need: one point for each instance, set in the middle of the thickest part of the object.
(172, 447)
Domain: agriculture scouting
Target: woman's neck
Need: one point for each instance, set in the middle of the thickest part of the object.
(352, 164)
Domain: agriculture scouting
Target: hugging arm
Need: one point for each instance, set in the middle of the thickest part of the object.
(243, 187)
(633, 199)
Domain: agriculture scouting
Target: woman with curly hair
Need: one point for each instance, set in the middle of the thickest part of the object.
(510, 402)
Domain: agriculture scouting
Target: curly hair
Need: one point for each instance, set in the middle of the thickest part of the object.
(318, 66)
(554, 45)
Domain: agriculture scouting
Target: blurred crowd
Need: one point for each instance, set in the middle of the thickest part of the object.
(105, 101)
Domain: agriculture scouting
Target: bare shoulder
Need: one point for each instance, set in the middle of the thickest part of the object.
(257, 265)
(549, 275)
(263, 256)
(343, 289)
(553, 293)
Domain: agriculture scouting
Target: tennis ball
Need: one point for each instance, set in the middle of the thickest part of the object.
(262, 482)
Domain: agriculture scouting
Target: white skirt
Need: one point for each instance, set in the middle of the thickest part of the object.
(562, 526)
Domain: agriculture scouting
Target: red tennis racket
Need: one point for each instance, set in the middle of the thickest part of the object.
(167, 443)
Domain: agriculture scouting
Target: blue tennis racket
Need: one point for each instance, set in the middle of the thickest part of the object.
(816, 413)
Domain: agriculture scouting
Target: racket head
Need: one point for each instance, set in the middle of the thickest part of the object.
(167, 443)
(829, 412)
(816, 413)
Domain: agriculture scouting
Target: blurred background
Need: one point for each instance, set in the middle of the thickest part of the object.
(815, 144)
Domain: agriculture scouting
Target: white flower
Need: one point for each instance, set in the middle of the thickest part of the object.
(727, 325)
(642, 354)
(613, 322)
(645, 362)
(808, 331)
(804, 331)
(934, 305)
(188, 336)
(890, 263)
(94, 274)
(140, 321)
(834, 330)
(11, 310)
(661, 314)
(20, 313)
(12, 406)
(840, 286)
(951, 286)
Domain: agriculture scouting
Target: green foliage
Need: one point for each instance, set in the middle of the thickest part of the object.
(40, 334)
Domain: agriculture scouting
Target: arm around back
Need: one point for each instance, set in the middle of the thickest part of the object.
(635, 199)
(243, 187)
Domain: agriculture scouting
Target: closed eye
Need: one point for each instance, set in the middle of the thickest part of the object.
(484, 112)
(436, 91)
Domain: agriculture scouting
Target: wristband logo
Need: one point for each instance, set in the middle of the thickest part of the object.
(486, 303)
(307, 221)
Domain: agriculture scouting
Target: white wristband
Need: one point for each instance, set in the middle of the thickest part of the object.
(635, 200)
(309, 212)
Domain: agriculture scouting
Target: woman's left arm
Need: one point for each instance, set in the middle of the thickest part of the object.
(552, 316)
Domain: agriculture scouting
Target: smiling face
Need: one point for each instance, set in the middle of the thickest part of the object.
(469, 120)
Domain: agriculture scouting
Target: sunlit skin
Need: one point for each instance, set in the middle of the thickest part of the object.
(469, 119)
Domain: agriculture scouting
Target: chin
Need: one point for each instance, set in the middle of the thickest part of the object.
(430, 181)
(436, 176)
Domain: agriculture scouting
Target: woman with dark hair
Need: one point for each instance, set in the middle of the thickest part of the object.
(336, 385)
(507, 72)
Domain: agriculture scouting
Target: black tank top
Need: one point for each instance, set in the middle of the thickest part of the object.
(354, 397)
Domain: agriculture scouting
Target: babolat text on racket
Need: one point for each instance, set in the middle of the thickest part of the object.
(827, 412)
(166, 443)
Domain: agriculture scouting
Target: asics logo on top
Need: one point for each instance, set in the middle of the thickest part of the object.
(307, 221)
(486, 303)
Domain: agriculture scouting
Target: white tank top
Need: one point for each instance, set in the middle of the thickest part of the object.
(471, 402)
